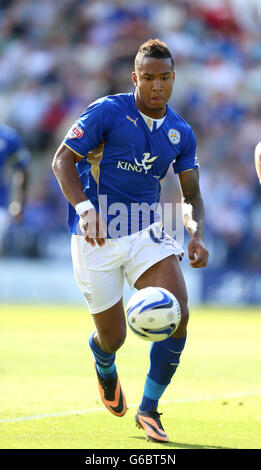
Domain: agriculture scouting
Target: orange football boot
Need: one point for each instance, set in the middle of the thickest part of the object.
(150, 422)
(112, 395)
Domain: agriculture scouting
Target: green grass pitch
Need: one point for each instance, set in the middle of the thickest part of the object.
(49, 397)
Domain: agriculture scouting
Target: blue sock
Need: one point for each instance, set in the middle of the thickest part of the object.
(164, 360)
(105, 362)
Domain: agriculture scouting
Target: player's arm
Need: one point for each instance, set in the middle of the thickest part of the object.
(21, 159)
(258, 160)
(193, 217)
(64, 168)
(19, 190)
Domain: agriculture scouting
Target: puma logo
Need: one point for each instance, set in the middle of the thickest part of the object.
(132, 120)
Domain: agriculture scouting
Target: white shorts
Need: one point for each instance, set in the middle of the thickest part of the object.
(100, 271)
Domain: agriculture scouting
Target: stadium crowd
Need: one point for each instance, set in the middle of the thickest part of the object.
(57, 57)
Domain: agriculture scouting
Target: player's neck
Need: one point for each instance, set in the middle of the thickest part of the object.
(152, 113)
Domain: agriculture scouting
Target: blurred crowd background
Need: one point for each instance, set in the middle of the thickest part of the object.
(56, 57)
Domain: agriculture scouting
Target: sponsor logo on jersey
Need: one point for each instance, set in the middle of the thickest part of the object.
(144, 165)
(133, 120)
(144, 162)
(174, 136)
(128, 166)
(75, 132)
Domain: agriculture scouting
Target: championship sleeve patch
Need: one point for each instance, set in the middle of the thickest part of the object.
(76, 132)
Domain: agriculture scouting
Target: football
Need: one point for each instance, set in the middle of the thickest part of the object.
(153, 313)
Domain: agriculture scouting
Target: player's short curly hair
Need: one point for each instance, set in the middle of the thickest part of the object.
(153, 48)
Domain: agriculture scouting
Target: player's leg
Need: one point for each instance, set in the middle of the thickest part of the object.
(154, 262)
(164, 355)
(102, 287)
(109, 335)
(110, 325)
(104, 342)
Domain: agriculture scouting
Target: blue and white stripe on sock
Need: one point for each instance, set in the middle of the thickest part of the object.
(105, 362)
(164, 360)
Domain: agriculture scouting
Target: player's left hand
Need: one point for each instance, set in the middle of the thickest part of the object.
(198, 253)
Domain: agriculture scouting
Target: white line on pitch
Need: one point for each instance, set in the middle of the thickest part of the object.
(98, 409)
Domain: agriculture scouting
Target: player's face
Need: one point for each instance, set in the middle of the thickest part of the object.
(154, 82)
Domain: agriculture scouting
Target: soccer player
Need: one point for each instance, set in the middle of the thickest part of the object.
(112, 159)
(13, 153)
(258, 160)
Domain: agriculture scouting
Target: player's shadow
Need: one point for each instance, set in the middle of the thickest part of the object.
(181, 445)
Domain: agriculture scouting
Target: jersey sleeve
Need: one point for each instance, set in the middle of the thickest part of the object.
(89, 130)
(187, 158)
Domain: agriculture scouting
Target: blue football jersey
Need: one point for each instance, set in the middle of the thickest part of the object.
(11, 146)
(123, 160)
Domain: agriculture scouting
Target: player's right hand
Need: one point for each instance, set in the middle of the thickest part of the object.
(92, 228)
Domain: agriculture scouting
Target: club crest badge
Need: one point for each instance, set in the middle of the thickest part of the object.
(174, 136)
(88, 297)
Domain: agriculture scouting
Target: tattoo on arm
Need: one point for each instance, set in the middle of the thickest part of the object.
(192, 203)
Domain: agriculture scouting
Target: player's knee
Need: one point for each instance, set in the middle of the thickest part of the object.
(112, 342)
(117, 343)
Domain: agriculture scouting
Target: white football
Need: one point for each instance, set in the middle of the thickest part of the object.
(153, 313)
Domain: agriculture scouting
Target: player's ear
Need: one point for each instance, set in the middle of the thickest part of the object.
(134, 78)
